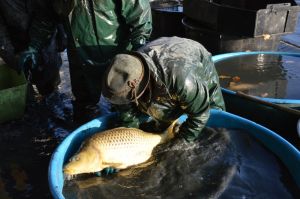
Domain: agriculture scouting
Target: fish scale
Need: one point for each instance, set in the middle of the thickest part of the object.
(119, 148)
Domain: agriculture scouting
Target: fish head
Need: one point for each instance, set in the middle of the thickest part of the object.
(85, 161)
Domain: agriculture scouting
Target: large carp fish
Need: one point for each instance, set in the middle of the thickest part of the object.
(118, 148)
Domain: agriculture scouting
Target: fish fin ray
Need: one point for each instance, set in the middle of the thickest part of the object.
(113, 164)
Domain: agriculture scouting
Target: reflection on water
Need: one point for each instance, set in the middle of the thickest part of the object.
(272, 76)
(222, 164)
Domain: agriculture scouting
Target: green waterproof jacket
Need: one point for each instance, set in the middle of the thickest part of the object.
(100, 29)
(183, 81)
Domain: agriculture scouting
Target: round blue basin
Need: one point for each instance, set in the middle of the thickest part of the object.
(286, 152)
(228, 56)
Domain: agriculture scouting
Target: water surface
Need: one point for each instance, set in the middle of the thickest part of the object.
(222, 164)
(271, 76)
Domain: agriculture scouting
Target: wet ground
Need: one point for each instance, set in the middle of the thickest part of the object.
(26, 144)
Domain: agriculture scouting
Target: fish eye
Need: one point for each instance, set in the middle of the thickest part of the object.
(75, 158)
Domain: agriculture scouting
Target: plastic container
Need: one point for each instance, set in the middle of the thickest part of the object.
(13, 91)
(271, 140)
(166, 18)
(281, 119)
(216, 42)
(218, 58)
(244, 18)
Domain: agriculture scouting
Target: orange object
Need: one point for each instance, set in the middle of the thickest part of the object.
(236, 79)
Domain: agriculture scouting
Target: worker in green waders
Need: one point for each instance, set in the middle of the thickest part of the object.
(165, 79)
(97, 30)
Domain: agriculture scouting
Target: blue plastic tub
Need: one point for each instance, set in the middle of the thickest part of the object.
(225, 56)
(289, 155)
(280, 119)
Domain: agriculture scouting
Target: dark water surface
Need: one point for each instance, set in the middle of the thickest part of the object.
(222, 164)
(272, 76)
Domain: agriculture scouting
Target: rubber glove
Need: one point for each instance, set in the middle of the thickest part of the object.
(107, 171)
(29, 56)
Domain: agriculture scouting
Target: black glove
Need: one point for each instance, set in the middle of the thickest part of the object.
(28, 58)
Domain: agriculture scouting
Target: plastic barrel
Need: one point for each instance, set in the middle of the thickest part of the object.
(166, 18)
(271, 140)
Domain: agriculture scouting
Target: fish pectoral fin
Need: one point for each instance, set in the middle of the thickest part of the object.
(113, 164)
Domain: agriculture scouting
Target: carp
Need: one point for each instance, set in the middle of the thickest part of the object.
(118, 148)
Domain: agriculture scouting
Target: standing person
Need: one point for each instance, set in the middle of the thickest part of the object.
(165, 79)
(40, 61)
(97, 30)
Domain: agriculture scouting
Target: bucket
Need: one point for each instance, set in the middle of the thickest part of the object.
(13, 90)
(271, 140)
(283, 118)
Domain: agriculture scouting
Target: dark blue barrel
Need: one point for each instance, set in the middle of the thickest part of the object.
(166, 18)
(268, 138)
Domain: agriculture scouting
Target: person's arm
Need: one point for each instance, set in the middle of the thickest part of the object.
(137, 14)
(43, 24)
(193, 96)
(129, 115)
(6, 47)
(41, 30)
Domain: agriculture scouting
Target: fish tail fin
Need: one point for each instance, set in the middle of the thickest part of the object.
(169, 133)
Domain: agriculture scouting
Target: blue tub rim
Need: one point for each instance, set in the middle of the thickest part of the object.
(220, 57)
(218, 118)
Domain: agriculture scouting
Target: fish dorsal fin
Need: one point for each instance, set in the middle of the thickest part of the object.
(112, 164)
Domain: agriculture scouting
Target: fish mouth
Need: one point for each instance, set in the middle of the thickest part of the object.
(68, 171)
(69, 176)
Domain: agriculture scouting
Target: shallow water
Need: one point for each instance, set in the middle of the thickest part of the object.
(222, 164)
(272, 76)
